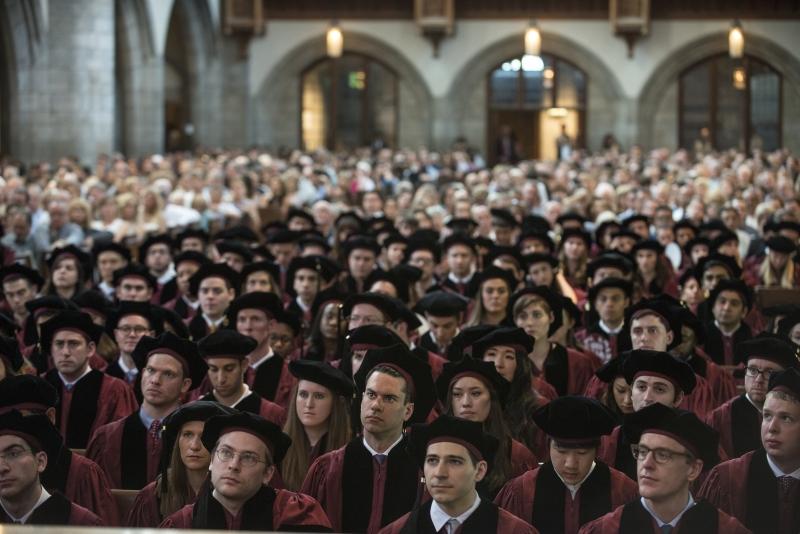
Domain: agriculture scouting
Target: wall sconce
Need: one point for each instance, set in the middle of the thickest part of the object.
(547, 78)
(334, 40)
(533, 40)
(739, 78)
(736, 40)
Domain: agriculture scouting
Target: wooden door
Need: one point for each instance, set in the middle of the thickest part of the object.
(524, 125)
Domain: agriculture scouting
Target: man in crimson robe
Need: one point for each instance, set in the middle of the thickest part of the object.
(762, 487)
(574, 487)
(374, 480)
(24, 441)
(245, 450)
(443, 310)
(454, 454)
(216, 286)
(127, 324)
(738, 421)
(729, 303)
(670, 446)
(80, 479)
(128, 450)
(88, 398)
(608, 298)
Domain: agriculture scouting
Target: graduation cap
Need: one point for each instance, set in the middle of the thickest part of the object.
(282, 237)
(269, 267)
(648, 244)
(191, 256)
(737, 285)
(313, 239)
(417, 374)
(400, 276)
(183, 350)
(39, 306)
(326, 268)
(380, 301)
(93, 301)
(604, 227)
(269, 303)
(685, 223)
(503, 218)
(696, 242)
(486, 372)
(683, 426)
(611, 282)
(407, 316)
(690, 320)
(36, 429)
(553, 300)
(768, 347)
(572, 310)
(792, 226)
(82, 258)
(199, 410)
(350, 218)
(191, 233)
(16, 271)
(442, 304)
(725, 236)
(27, 392)
(234, 247)
(613, 260)
(134, 270)
(75, 321)
(297, 213)
(237, 233)
(292, 320)
(226, 343)
(361, 242)
(418, 243)
(393, 239)
(542, 237)
(174, 323)
(625, 233)
(530, 260)
(505, 336)
(371, 336)
(493, 272)
(461, 345)
(575, 232)
(571, 217)
(142, 309)
(535, 223)
(782, 244)
(271, 434)
(164, 239)
(111, 246)
(459, 239)
(787, 381)
(661, 309)
(506, 253)
(662, 364)
(449, 429)
(326, 296)
(324, 374)
(214, 270)
(787, 323)
(612, 369)
(688, 274)
(630, 219)
(574, 420)
(461, 225)
(10, 354)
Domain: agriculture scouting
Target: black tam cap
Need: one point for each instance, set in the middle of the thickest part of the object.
(486, 372)
(142, 309)
(269, 303)
(378, 300)
(503, 217)
(554, 301)
(575, 420)
(661, 309)
(459, 239)
(191, 233)
(10, 353)
(219, 270)
(782, 244)
(111, 246)
(271, 434)
(736, 285)
(769, 347)
(611, 369)
(360, 242)
(611, 282)
(135, 270)
(727, 262)
(505, 336)
(35, 429)
(576, 232)
(93, 301)
(195, 411)
(648, 244)
(661, 364)
(191, 256)
(324, 374)
(682, 426)
(416, 373)
(267, 266)
(492, 272)
(449, 429)
(538, 257)
(371, 336)
(27, 392)
(237, 233)
(234, 247)
(442, 304)
(327, 296)
(183, 350)
(226, 343)
(17, 270)
(787, 381)
(163, 239)
(400, 276)
(613, 260)
(80, 256)
(69, 320)
(461, 345)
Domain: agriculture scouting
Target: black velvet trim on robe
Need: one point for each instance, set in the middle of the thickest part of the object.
(208, 513)
(549, 505)
(115, 370)
(745, 426)
(401, 484)
(698, 364)
(56, 510)
(700, 518)
(168, 291)
(713, 345)
(482, 521)
(251, 403)
(556, 369)
(267, 377)
(55, 475)
(623, 459)
(133, 453)
(85, 397)
(762, 496)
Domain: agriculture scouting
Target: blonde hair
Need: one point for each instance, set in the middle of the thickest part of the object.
(772, 279)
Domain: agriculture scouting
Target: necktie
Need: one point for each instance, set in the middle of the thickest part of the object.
(380, 458)
(69, 387)
(666, 529)
(452, 525)
(155, 429)
(786, 484)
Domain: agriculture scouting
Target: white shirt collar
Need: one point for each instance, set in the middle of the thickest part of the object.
(24, 519)
(210, 322)
(756, 406)
(240, 399)
(69, 384)
(677, 518)
(192, 304)
(440, 518)
(125, 368)
(779, 473)
(168, 275)
(301, 305)
(608, 330)
(373, 452)
(573, 489)
(453, 278)
(724, 332)
(267, 356)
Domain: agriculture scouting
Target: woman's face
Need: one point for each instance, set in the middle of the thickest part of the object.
(470, 399)
(150, 203)
(575, 248)
(494, 294)
(535, 320)
(314, 403)
(690, 293)
(778, 260)
(193, 455)
(129, 211)
(78, 216)
(646, 261)
(66, 273)
(330, 321)
(622, 395)
(504, 359)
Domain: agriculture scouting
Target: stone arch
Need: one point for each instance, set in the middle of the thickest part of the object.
(658, 101)
(276, 105)
(467, 96)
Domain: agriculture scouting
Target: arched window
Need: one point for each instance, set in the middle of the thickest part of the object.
(537, 100)
(737, 102)
(348, 102)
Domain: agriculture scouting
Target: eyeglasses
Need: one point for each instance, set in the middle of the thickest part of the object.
(661, 456)
(246, 459)
(138, 330)
(14, 455)
(753, 372)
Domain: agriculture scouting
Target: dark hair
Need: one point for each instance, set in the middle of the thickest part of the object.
(391, 371)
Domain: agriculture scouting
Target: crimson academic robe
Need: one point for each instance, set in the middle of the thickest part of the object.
(145, 512)
(543, 388)
(722, 384)
(182, 308)
(633, 518)
(127, 452)
(58, 511)
(541, 498)
(97, 399)
(568, 371)
(82, 482)
(358, 493)
(486, 519)
(198, 327)
(253, 403)
(746, 488)
(739, 425)
(522, 459)
(721, 349)
(596, 339)
(269, 509)
(595, 388)
(701, 400)
(272, 380)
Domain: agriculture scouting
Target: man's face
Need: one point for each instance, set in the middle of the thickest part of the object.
(193, 243)
(713, 275)
(234, 481)
(460, 260)
(780, 429)
(133, 288)
(20, 226)
(647, 390)
(130, 329)
(17, 476)
(423, 260)
(158, 258)
(226, 374)
(58, 216)
(729, 309)
(306, 284)
(253, 323)
(649, 332)
(470, 399)
(71, 352)
(283, 253)
(281, 339)
(108, 262)
(163, 382)
(215, 296)
(640, 227)
(756, 386)
(258, 281)
(646, 261)
(683, 236)
(610, 304)
(395, 253)
(385, 406)
(541, 274)
(503, 235)
(361, 262)
(233, 260)
(17, 293)
(444, 329)
(572, 464)
(659, 482)
(183, 272)
(450, 474)
(364, 314)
